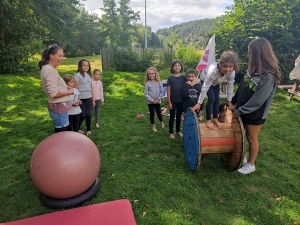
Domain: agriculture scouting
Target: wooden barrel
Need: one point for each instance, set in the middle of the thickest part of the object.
(227, 141)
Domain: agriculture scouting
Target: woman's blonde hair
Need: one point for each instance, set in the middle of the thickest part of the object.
(156, 78)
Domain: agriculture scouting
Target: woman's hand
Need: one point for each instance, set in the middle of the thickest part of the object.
(196, 107)
(170, 105)
(70, 91)
(230, 105)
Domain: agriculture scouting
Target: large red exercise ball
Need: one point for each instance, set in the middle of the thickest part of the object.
(64, 165)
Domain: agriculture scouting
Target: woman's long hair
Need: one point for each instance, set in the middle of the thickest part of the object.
(262, 58)
(51, 49)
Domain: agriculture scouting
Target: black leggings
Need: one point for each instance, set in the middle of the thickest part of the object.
(74, 122)
(176, 108)
(212, 106)
(157, 108)
(86, 113)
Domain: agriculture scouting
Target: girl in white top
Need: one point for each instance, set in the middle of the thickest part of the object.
(211, 77)
(84, 84)
(74, 112)
(98, 98)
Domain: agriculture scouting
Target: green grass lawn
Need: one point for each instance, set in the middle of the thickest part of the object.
(148, 168)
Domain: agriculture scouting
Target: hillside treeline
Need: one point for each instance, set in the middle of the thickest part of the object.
(26, 26)
(193, 32)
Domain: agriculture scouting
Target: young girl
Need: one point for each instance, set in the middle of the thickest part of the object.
(83, 82)
(211, 77)
(74, 112)
(255, 93)
(97, 88)
(174, 85)
(57, 91)
(153, 92)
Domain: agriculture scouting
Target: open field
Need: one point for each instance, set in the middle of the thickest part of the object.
(148, 168)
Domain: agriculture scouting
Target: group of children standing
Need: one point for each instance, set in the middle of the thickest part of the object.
(184, 91)
(251, 101)
(88, 93)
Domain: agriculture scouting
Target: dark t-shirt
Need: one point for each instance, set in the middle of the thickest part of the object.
(190, 95)
(176, 84)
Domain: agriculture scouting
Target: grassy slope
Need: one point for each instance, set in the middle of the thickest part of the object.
(148, 168)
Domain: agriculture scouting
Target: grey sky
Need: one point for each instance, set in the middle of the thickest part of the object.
(162, 14)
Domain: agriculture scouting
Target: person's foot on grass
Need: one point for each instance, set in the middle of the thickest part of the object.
(247, 168)
(154, 128)
(209, 124)
(162, 124)
(97, 125)
(80, 131)
(88, 133)
(172, 136)
(180, 134)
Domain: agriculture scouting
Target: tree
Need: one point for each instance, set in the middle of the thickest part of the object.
(26, 24)
(110, 25)
(278, 21)
(126, 17)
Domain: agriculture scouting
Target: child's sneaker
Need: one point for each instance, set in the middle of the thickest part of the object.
(247, 168)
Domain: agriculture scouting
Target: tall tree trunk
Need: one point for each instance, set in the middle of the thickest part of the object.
(2, 28)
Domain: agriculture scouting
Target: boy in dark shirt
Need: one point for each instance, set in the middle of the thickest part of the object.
(190, 91)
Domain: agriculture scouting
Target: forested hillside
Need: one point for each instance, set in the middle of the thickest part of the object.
(194, 32)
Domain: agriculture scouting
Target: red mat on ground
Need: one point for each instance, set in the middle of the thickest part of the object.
(117, 212)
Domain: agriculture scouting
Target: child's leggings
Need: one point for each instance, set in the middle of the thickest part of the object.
(212, 106)
(176, 107)
(97, 110)
(157, 108)
(86, 113)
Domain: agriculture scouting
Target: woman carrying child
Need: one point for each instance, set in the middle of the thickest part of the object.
(154, 92)
(211, 77)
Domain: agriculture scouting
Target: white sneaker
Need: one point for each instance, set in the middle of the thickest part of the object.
(247, 168)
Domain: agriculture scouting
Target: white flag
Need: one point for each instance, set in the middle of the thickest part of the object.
(209, 55)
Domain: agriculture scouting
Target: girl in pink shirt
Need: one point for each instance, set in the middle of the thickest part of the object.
(98, 96)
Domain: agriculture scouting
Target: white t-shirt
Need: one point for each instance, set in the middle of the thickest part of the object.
(74, 98)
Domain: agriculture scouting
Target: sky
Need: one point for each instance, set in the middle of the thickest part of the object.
(166, 13)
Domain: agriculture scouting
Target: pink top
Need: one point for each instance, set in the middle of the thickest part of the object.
(98, 90)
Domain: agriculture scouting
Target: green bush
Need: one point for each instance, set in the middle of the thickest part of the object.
(128, 61)
(164, 60)
(188, 55)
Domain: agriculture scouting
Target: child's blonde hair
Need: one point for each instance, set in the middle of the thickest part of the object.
(156, 78)
(97, 70)
(230, 57)
(68, 77)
